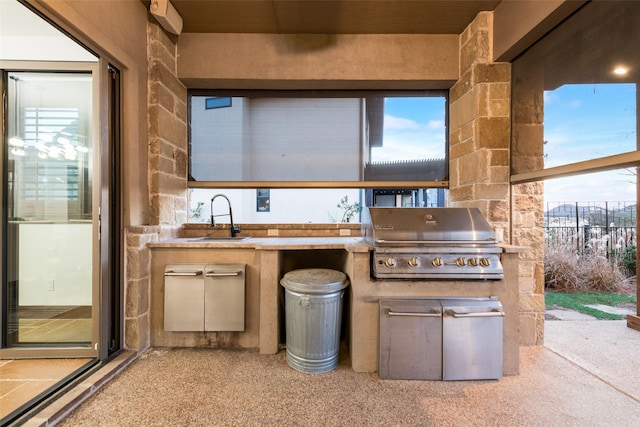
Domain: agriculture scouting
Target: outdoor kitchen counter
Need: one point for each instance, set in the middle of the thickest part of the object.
(350, 244)
(267, 260)
(366, 292)
(510, 249)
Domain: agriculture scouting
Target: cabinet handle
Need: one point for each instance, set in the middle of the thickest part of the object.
(431, 314)
(493, 313)
(183, 273)
(224, 273)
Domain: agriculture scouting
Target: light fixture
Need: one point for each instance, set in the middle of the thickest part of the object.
(620, 70)
(54, 152)
(18, 151)
(166, 15)
(70, 153)
(16, 142)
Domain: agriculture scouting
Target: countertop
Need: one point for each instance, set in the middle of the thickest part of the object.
(350, 244)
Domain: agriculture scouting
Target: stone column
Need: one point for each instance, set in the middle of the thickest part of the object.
(480, 127)
(528, 199)
(167, 169)
(137, 286)
(168, 159)
(482, 160)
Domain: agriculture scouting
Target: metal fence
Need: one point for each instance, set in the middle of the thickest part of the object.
(591, 227)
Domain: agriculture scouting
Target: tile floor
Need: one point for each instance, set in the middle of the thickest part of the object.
(55, 330)
(22, 380)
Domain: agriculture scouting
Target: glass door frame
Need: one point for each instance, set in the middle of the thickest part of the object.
(99, 73)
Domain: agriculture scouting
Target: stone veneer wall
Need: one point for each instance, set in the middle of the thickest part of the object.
(138, 286)
(167, 131)
(480, 162)
(528, 231)
(479, 125)
(528, 199)
(168, 158)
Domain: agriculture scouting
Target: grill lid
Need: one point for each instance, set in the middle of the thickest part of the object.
(389, 226)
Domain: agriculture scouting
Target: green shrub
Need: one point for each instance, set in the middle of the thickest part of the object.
(629, 259)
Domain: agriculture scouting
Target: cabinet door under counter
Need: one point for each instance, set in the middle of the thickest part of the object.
(202, 297)
(224, 290)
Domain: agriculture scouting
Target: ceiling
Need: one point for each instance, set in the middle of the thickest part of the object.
(330, 16)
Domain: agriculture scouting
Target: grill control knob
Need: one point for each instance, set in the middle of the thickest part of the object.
(472, 262)
(437, 262)
(413, 262)
(460, 262)
(485, 262)
(390, 262)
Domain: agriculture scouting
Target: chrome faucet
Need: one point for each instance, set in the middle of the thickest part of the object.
(233, 228)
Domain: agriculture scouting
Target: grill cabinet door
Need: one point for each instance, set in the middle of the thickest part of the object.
(472, 347)
(410, 340)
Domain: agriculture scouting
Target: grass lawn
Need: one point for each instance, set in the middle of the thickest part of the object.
(578, 301)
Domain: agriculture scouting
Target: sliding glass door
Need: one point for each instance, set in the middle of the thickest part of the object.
(51, 217)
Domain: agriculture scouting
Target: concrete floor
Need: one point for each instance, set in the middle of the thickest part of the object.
(587, 374)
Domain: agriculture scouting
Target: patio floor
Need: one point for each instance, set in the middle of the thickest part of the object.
(587, 374)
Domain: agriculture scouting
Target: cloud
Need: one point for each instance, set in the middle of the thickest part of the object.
(422, 141)
(550, 97)
(399, 123)
(609, 186)
(435, 124)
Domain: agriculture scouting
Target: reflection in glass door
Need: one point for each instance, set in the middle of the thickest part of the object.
(51, 220)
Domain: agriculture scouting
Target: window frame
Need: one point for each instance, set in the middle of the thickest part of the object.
(360, 184)
(613, 162)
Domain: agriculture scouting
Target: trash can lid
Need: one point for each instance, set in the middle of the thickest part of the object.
(314, 280)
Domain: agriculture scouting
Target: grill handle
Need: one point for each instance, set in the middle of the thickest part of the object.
(433, 313)
(183, 273)
(492, 313)
(222, 273)
(385, 242)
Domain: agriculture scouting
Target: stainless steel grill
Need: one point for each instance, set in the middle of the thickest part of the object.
(429, 243)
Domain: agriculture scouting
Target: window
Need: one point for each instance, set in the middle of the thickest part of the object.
(217, 102)
(330, 137)
(50, 164)
(588, 120)
(263, 200)
(575, 94)
(316, 156)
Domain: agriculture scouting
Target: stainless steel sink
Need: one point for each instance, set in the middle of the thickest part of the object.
(220, 239)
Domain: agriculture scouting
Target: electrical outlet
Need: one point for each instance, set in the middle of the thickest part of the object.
(51, 285)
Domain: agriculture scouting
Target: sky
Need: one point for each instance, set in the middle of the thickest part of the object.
(581, 122)
(414, 128)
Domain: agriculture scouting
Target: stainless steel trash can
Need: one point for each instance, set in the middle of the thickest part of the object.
(313, 313)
